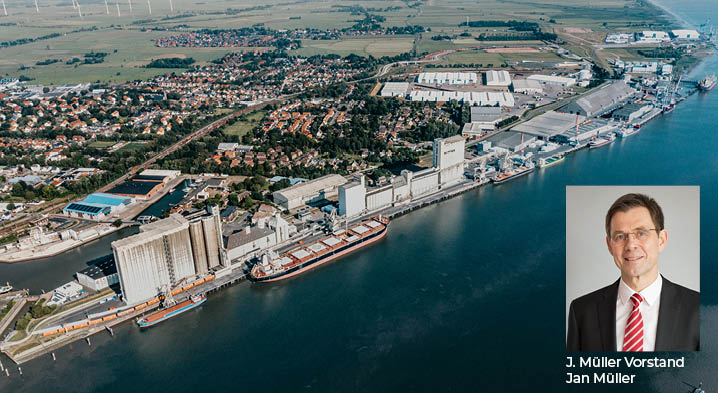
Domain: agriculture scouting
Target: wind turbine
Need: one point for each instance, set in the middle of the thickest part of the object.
(79, 11)
(118, 10)
(172, 10)
(3, 7)
(130, 3)
(107, 8)
(74, 7)
(36, 7)
(149, 6)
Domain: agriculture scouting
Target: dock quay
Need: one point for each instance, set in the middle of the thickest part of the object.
(61, 340)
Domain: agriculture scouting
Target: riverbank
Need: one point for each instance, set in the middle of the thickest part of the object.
(51, 250)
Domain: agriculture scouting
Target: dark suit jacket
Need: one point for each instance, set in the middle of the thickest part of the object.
(592, 320)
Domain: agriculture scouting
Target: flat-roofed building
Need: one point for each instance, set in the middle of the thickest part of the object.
(451, 78)
(553, 80)
(511, 140)
(301, 193)
(251, 241)
(497, 78)
(395, 89)
(169, 174)
(100, 274)
(137, 189)
(482, 119)
(526, 86)
(480, 98)
(683, 34)
(549, 124)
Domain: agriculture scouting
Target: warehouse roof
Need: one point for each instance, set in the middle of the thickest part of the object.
(107, 199)
(311, 187)
(134, 188)
(101, 267)
(501, 78)
(489, 113)
(522, 84)
(87, 208)
(549, 124)
(602, 99)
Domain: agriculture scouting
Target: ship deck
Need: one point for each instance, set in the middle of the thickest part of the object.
(304, 253)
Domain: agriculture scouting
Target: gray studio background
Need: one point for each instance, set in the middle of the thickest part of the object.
(589, 266)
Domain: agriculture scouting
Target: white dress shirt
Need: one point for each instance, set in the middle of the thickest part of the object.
(649, 308)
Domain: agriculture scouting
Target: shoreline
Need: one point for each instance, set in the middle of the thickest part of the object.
(56, 253)
(681, 20)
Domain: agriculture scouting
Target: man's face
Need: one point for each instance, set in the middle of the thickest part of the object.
(635, 257)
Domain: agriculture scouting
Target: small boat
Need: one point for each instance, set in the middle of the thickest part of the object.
(553, 160)
(5, 289)
(626, 132)
(601, 141)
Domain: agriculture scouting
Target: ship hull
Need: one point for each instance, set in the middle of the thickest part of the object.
(171, 314)
(512, 177)
(311, 264)
(552, 163)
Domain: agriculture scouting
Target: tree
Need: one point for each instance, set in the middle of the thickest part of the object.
(29, 195)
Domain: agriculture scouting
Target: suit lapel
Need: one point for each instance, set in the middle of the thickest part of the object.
(607, 318)
(668, 316)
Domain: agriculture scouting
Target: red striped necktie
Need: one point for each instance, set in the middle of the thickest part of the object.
(633, 338)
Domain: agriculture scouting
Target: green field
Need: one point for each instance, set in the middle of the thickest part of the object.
(101, 144)
(376, 47)
(482, 57)
(241, 127)
(135, 47)
(132, 146)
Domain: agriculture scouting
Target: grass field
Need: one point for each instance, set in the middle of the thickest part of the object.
(101, 144)
(481, 57)
(132, 146)
(376, 47)
(135, 47)
(241, 127)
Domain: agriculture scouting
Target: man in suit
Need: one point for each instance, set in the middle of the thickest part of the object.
(642, 310)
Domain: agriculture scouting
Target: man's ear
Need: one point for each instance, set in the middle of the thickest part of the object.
(662, 240)
(608, 244)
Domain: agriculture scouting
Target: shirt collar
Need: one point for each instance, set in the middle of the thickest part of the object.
(650, 294)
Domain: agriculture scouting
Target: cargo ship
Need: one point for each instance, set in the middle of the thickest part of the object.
(708, 83)
(601, 141)
(167, 313)
(307, 257)
(512, 174)
(553, 160)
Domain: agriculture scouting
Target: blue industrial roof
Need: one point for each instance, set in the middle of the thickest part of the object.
(87, 208)
(107, 199)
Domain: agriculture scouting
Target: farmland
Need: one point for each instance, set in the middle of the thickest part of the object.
(128, 37)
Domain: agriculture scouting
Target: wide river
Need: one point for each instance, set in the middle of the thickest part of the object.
(464, 296)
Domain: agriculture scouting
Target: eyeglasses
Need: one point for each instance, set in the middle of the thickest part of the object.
(640, 234)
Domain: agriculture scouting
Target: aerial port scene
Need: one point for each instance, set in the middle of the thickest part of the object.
(329, 195)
